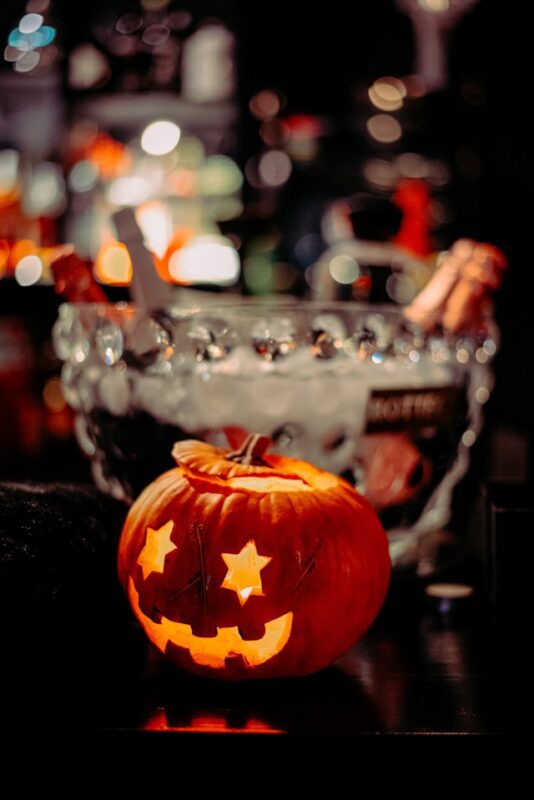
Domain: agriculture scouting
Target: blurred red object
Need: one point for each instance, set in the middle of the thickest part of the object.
(395, 470)
(413, 198)
(73, 278)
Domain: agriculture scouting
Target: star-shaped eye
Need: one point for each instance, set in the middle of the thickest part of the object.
(157, 545)
(243, 576)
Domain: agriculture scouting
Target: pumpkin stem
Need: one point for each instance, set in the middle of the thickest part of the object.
(251, 450)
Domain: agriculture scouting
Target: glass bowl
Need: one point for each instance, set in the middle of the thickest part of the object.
(351, 387)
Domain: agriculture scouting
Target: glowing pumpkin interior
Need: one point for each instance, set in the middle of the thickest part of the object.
(229, 543)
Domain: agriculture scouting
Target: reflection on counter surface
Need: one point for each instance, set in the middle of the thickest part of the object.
(419, 676)
(427, 681)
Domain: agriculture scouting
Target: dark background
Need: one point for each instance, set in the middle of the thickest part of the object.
(321, 60)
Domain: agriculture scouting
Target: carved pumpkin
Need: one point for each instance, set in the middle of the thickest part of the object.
(246, 565)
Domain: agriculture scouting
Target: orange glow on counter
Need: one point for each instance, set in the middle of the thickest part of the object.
(204, 722)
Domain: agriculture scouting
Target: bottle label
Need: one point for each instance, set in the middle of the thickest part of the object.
(411, 409)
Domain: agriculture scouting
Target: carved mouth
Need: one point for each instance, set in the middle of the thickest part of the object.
(212, 651)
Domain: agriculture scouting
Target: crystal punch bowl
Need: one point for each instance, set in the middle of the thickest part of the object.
(352, 388)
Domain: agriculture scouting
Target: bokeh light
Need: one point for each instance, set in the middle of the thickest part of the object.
(18, 39)
(87, 67)
(155, 220)
(258, 273)
(482, 394)
(343, 269)
(469, 438)
(219, 175)
(274, 168)
(387, 94)
(83, 176)
(42, 37)
(129, 23)
(160, 137)
(12, 53)
(190, 152)
(411, 165)
(30, 23)
(206, 259)
(29, 270)
(156, 34)
(28, 61)
(401, 288)
(380, 174)
(45, 194)
(265, 105)
(384, 128)
(9, 170)
(113, 264)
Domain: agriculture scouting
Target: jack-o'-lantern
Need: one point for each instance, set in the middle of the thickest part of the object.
(252, 565)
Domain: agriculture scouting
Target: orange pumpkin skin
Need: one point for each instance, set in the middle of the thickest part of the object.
(311, 548)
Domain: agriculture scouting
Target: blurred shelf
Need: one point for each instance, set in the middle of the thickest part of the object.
(130, 110)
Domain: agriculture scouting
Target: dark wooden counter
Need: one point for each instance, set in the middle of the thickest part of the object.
(76, 661)
(420, 677)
